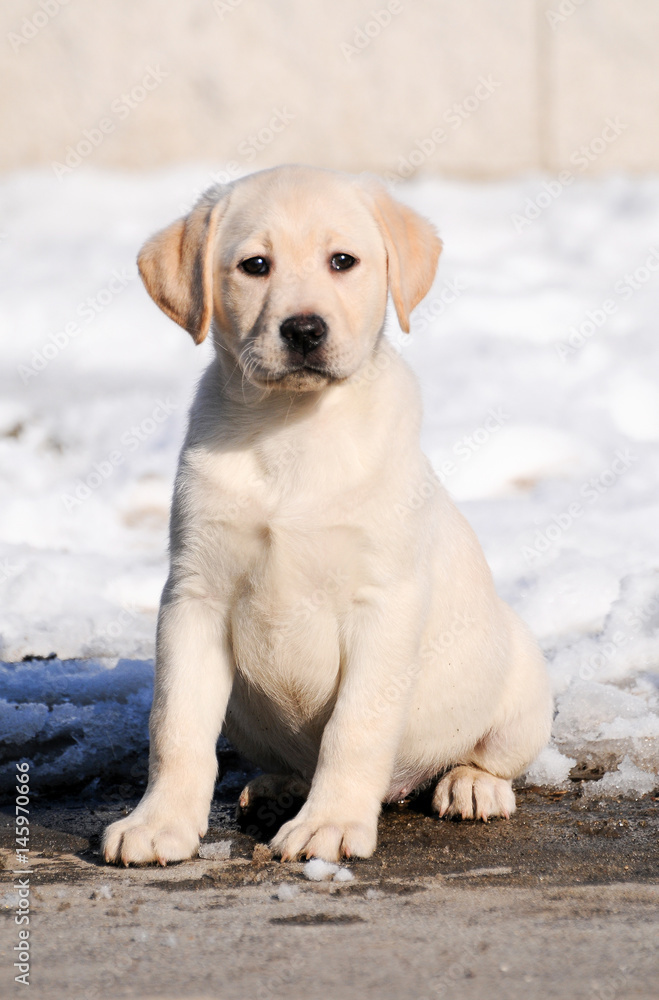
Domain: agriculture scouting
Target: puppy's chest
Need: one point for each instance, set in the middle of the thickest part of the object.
(291, 565)
(286, 615)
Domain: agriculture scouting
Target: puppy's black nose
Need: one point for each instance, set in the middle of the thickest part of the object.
(304, 332)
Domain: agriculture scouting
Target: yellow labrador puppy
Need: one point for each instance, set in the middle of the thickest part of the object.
(327, 606)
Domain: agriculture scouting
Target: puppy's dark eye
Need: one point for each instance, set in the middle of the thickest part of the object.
(342, 261)
(255, 265)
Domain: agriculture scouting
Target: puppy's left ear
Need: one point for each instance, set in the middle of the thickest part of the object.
(413, 248)
(176, 266)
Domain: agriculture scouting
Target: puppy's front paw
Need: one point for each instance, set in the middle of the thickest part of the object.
(470, 793)
(141, 839)
(316, 836)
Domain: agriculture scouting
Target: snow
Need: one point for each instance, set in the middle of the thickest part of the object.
(538, 357)
(551, 768)
(343, 875)
(318, 870)
(627, 779)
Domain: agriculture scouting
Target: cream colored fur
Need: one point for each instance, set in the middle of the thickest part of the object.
(327, 606)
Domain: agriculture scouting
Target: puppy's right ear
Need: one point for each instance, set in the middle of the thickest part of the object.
(176, 266)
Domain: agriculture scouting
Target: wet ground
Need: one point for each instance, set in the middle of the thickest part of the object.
(553, 839)
(560, 901)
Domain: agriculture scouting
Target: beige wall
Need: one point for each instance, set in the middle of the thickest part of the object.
(533, 81)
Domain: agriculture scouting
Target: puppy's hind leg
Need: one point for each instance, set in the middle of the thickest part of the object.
(268, 801)
(481, 786)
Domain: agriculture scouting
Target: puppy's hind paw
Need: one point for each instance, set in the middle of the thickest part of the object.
(273, 787)
(469, 793)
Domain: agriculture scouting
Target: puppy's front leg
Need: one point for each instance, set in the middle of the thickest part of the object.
(194, 673)
(359, 742)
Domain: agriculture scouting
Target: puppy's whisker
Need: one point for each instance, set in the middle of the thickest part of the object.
(247, 361)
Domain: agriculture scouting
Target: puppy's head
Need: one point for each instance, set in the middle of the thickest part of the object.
(291, 268)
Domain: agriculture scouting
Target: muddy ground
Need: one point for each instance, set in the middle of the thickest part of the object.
(560, 901)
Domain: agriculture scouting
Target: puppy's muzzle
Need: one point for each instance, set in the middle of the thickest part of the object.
(304, 332)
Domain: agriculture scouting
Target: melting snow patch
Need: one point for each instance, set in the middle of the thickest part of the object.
(73, 719)
(627, 780)
(551, 768)
(219, 850)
